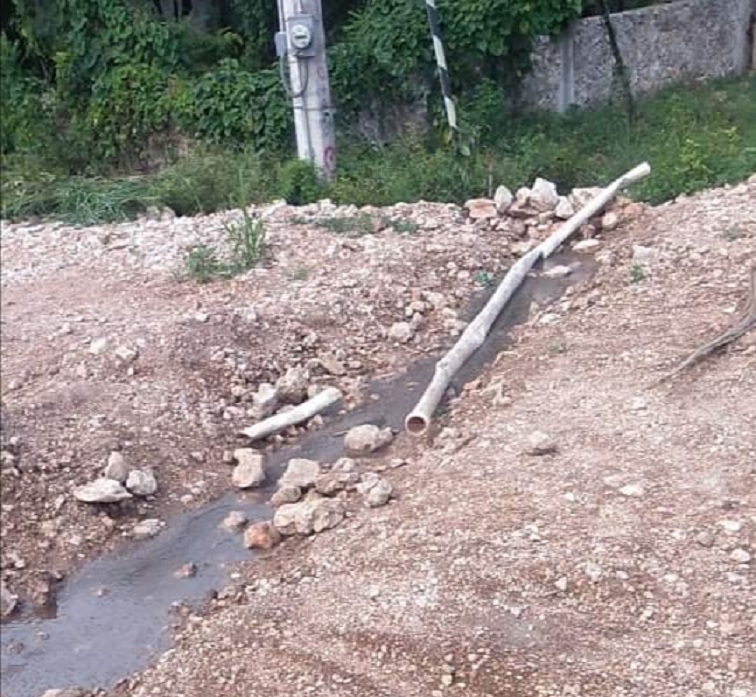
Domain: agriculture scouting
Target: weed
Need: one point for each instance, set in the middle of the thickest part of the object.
(301, 273)
(246, 238)
(485, 279)
(202, 263)
(359, 225)
(557, 347)
(733, 233)
(401, 225)
(637, 273)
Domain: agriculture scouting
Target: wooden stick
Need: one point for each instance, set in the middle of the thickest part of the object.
(418, 420)
(745, 324)
(306, 410)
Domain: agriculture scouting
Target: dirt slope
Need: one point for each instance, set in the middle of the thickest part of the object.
(622, 564)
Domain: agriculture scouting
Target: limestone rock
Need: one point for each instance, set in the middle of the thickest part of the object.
(300, 472)
(503, 199)
(234, 521)
(522, 197)
(265, 401)
(401, 332)
(314, 514)
(117, 468)
(609, 221)
(250, 469)
(589, 245)
(481, 209)
(540, 443)
(564, 209)
(292, 385)
(375, 489)
(262, 535)
(149, 527)
(644, 255)
(361, 440)
(8, 601)
(142, 482)
(543, 195)
(331, 364)
(101, 491)
(330, 483)
(581, 196)
(286, 494)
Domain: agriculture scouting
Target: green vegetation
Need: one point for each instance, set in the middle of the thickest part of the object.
(246, 239)
(694, 136)
(637, 273)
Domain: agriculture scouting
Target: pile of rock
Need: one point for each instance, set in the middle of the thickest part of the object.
(119, 482)
(312, 497)
(541, 204)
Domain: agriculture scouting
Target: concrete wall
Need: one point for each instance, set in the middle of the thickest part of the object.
(660, 45)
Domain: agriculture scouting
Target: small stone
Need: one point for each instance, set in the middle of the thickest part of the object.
(540, 443)
(97, 346)
(588, 245)
(558, 271)
(201, 317)
(705, 538)
(101, 491)
(740, 556)
(8, 601)
(250, 470)
(300, 473)
(581, 196)
(262, 535)
(731, 526)
(522, 197)
(234, 521)
(447, 680)
(265, 400)
(286, 494)
(314, 514)
(561, 583)
(186, 571)
(292, 385)
(367, 438)
(375, 489)
(126, 354)
(543, 195)
(503, 199)
(401, 332)
(631, 490)
(593, 571)
(564, 209)
(609, 221)
(332, 365)
(142, 482)
(330, 483)
(644, 255)
(481, 209)
(116, 469)
(149, 527)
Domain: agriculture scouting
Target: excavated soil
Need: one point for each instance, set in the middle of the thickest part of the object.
(620, 564)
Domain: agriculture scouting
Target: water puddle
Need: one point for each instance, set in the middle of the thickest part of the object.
(114, 615)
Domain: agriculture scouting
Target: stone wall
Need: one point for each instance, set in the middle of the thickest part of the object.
(660, 45)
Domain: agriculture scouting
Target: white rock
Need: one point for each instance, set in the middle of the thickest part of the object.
(731, 526)
(375, 489)
(503, 199)
(593, 571)
(142, 482)
(588, 245)
(250, 469)
(558, 271)
(609, 221)
(481, 209)
(644, 255)
(330, 483)
(540, 443)
(522, 197)
(286, 494)
(561, 583)
(564, 209)
(101, 491)
(265, 400)
(301, 473)
(97, 346)
(314, 514)
(543, 195)
(740, 556)
(401, 332)
(8, 601)
(580, 197)
(149, 527)
(126, 354)
(234, 521)
(292, 386)
(117, 468)
(631, 490)
(367, 438)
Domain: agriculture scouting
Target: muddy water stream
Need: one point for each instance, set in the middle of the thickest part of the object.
(113, 616)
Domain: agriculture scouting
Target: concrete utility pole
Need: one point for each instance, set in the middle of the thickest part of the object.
(301, 40)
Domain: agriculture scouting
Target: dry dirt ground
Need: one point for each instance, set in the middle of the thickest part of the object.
(620, 565)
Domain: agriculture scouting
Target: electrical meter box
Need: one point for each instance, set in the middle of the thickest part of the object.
(301, 33)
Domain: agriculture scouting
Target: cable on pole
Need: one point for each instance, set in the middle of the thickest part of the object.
(443, 70)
